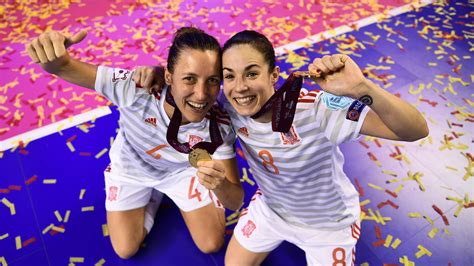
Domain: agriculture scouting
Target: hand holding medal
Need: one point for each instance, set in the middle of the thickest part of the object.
(339, 75)
(336, 74)
(197, 155)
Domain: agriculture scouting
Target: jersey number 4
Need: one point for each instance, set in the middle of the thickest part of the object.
(193, 192)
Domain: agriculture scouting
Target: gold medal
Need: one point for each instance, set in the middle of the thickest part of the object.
(197, 155)
(306, 74)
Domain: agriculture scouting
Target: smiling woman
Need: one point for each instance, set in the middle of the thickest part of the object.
(304, 196)
(149, 155)
(198, 83)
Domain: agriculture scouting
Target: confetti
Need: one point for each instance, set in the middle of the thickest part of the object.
(422, 251)
(31, 180)
(46, 230)
(4, 236)
(245, 177)
(18, 242)
(100, 262)
(9, 205)
(87, 209)
(49, 181)
(359, 188)
(76, 259)
(374, 186)
(98, 155)
(58, 216)
(58, 229)
(396, 243)
(28, 242)
(66, 217)
(440, 212)
(405, 261)
(388, 241)
(81, 195)
(70, 146)
(414, 215)
(105, 230)
(433, 232)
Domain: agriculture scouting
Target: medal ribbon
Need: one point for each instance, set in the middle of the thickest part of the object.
(283, 103)
(175, 123)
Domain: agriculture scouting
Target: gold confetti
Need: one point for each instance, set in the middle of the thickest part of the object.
(100, 262)
(58, 216)
(388, 241)
(105, 230)
(396, 243)
(87, 209)
(18, 242)
(4, 236)
(98, 155)
(70, 146)
(81, 195)
(76, 259)
(66, 217)
(58, 229)
(46, 230)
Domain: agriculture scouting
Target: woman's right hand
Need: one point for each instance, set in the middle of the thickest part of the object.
(150, 78)
(49, 49)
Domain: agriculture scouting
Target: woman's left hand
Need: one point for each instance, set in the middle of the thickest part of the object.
(339, 75)
(211, 174)
(149, 78)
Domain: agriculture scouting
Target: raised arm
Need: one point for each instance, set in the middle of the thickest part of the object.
(390, 117)
(50, 51)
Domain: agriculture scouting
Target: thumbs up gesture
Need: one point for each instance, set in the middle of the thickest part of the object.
(49, 49)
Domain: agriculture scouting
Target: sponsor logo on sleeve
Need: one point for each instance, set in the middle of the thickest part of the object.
(354, 111)
(334, 102)
(120, 74)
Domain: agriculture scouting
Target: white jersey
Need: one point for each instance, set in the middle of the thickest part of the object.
(141, 148)
(301, 172)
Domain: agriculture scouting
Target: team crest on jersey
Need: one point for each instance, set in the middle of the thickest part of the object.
(193, 140)
(354, 111)
(291, 137)
(113, 193)
(248, 229)
(120, 74)
(244, 131)
(151, 121)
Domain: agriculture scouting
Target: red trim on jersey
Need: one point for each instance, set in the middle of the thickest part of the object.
(243, 212)
(353, 256)
(355, 231)
(306, 100)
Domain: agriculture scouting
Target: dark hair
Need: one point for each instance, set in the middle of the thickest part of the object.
(193, 38)
(258, 41)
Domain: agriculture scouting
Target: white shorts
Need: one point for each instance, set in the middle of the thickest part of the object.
(182, 186)
(261, 230)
